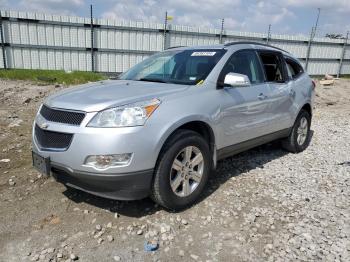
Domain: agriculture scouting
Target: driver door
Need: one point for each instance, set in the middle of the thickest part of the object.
(244, 109)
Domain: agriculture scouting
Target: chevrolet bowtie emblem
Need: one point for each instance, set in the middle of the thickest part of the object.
(44, 125)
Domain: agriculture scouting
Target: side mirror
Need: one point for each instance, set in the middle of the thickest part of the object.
(236, 80)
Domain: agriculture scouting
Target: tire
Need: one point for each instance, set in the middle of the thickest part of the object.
(171, 170)
(293, 143)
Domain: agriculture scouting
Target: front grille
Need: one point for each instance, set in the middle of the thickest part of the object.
(50, 140)
(62, 116)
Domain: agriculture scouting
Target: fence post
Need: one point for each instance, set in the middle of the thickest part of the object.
(92, 39)
(2, 43)
(309, 48)
(268, 35)
(165, 29)
(222, 30)
(343, 54)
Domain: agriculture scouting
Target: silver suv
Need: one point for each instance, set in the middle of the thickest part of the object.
(161, 127)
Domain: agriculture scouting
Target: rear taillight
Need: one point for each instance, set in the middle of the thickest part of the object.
(313, 84)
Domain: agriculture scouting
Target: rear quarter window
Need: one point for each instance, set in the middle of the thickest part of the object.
(294, 68)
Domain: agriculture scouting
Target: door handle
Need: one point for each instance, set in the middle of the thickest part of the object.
(261, 96)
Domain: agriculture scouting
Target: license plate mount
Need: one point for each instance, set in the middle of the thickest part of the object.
(42, 164)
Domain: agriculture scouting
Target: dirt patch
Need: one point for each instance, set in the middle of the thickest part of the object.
(336, 95)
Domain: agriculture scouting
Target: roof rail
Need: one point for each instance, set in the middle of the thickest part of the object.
(175, 47)
(254, 43)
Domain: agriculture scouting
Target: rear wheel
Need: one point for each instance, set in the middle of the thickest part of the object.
(182, 170)
(299, 138)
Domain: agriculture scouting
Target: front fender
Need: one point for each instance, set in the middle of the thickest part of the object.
(168, 130)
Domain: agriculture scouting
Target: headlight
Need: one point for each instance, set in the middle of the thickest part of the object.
(129, 115)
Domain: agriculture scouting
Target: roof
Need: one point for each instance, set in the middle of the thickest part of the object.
(253, 43)
(222, 46)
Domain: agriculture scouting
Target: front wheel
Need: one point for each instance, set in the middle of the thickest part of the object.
(182, 170)
(300, 136)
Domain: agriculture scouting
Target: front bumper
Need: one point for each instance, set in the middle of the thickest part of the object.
(128, 186)
(129, 182)
(140, 141)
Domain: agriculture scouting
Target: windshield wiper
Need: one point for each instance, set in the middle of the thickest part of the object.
(152, 80)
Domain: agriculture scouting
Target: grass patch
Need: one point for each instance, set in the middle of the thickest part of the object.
(51, 76)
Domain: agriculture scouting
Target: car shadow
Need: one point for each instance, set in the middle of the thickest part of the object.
(135, 208)
(226, 169)
(243, 163)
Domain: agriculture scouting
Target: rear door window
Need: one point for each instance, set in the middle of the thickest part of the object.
(273, 66)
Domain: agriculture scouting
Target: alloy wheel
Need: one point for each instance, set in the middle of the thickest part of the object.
(186, 171)
(302, 131)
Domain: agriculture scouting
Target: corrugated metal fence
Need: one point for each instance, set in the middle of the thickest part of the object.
(43, 41)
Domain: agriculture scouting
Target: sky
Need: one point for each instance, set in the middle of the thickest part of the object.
(285, 16)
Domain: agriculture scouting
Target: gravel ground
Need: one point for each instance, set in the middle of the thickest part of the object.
(261, 205)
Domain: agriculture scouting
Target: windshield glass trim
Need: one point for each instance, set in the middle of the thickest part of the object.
(176, 66)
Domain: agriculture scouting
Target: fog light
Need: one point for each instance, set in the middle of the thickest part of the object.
(106, 161)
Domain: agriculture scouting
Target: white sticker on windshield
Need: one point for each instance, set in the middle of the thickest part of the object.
(203, 53)
(192, 78)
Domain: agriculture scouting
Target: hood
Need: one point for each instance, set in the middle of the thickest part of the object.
(100, 95)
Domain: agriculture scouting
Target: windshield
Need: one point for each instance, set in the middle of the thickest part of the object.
(188, 67)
